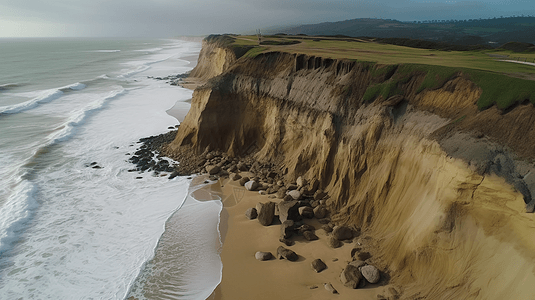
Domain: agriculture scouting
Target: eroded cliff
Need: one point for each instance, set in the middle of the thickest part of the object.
(443, 195)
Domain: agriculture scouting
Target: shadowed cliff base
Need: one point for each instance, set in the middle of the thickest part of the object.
(439, 179)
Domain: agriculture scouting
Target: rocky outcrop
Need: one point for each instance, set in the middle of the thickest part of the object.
(403, 168)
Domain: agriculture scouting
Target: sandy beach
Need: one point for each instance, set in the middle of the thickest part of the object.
(244, 277)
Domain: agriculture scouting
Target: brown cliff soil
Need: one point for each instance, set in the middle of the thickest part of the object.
(436, 182)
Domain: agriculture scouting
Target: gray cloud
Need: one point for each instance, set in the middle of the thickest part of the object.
(195, 17)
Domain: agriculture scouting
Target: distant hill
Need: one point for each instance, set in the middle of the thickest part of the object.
(496, 31)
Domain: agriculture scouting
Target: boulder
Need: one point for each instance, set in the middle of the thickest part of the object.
(306, 227)
(266, 212)
(357, 263)
(351, 276)
(251, 213)
(320, 212)
(342, 233)
(306, 212)
(242, 166)
(281, 192)
(251, 185)
(288, 198)
(334, 243)
(301, 182)
(313, 185)
(310, 236)
(262, 256)
(244, 180)
(292, 187)
(371, 273)
(287, 229)
(213, 170)
(328, 228)
(329, 287)
(286, 254)
(288, 210)
(295, 194)
(235, 177)
(286, 242)
(318, 265)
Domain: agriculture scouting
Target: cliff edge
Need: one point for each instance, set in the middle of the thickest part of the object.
(443, 187)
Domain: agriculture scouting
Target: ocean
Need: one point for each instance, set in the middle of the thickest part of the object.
(72, 231)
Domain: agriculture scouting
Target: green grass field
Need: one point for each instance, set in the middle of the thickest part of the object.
(502, 83)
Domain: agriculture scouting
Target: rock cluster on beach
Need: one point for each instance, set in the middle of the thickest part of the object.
(172, 79)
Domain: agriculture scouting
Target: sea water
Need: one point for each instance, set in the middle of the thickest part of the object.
(72, 231)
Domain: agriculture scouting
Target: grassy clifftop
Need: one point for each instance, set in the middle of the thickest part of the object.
(503, 83)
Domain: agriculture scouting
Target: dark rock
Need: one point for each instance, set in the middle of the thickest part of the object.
(324, 221)
(235, 177)
(306, 227)
(263, 256)
(357, 263)
(313, 185)
(213, 170)
(313, 287)
(342, 233)
(287, 229)
(251, 213)
(371, 273)
(242, 166)
(355, 251)
(362, 256)
(351, 276)
(281, 193)
(334, 243)
(266, 212)
(329, 287)
(288, 198)
(318, 265)
(320, 212)
(288, 210)
(251, 185)
(310, 236)
(244, 180)
(286, 254)
(286, 242)
(314, 203)
(327, 228)
(306, 212)
(174, 174)
(292, 187)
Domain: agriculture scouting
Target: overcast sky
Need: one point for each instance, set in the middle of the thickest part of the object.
(168, 18)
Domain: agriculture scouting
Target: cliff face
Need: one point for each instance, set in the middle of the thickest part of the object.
(441, 195)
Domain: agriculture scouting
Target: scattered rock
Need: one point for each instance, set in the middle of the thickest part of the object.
(327, 228)
(263, 256)
(213, 170)
(306, 227)
(342, 233)
(286, 254)
(281, 193)
(318, 265)
(324, 221)
(244, 180)
(288, 210)
(174, 174)
(251, 185)
(313, 287)
(320, 212)
(266, 212)
(329, 287)
(292, 187)
(357, 263)
(306, 212)
(251, 213)
(287, 229)
(286, 242)
(235, 177)
(355, 251)
(334, 243)
(371, 273)
(362, 256)
(351, 276)
(295, 194)
(310, 236)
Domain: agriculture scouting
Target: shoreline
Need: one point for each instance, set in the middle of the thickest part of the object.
(276, 279)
